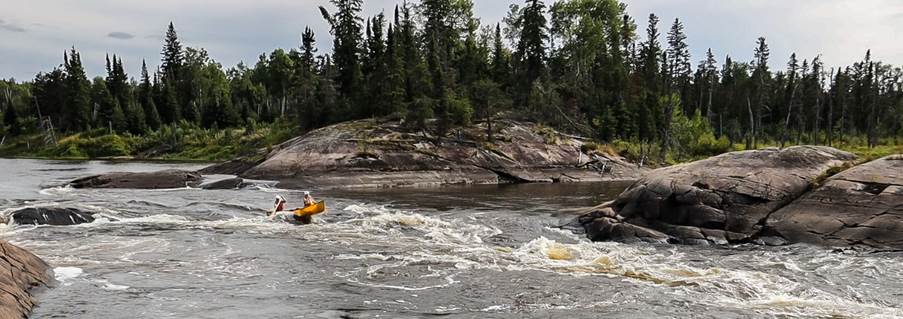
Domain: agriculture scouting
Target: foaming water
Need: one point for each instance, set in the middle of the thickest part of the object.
(459, 252)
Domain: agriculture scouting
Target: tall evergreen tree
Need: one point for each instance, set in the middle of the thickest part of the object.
(146, 99)
(762, 77)
(651, 51)
(346, 29)
(531, 49)
(172, 54)
(172, 62)
(501, 63)
(109, 112)
(77, 109)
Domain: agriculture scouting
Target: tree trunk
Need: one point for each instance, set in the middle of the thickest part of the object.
(829, 125)
(751, 135)
(816, 128)
(786, 134)
(843, 118)
(666, 128)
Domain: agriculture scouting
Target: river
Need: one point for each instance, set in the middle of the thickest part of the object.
(456, 252)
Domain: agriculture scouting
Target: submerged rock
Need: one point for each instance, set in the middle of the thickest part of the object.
(51, 216)
(860, 206)
(148, 180)
(371, 153)
(237, 183)
(228, 183)
(21, 271)
(723, 199)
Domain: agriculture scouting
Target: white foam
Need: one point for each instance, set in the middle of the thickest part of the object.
(55, 191)
(114, 287)
(65, 274)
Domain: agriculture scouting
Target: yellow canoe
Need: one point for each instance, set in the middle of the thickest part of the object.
(311, 210)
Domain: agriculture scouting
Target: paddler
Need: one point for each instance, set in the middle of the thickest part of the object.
(309, 200)
(279, 209)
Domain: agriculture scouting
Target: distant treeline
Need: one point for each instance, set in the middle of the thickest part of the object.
(578, 65)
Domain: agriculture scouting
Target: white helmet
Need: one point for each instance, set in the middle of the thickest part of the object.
(306, 193)
(279, 199)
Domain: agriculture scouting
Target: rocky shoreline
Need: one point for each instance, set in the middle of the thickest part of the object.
(22, 272)
(805, 194)
(802, 194)
(372, 153)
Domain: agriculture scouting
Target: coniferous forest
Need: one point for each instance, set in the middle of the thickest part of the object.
(580, 66)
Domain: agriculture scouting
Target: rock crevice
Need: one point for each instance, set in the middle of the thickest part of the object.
(731, 198)
(22, 272)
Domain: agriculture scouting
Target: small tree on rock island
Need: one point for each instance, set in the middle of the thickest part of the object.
(488, 99)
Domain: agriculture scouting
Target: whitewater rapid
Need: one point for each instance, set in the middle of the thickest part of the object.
(458, 252)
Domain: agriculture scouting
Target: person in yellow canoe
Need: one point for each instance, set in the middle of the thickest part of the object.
(299, 214)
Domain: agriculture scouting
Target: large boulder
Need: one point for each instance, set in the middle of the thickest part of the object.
(20, 271)
(372, 153)
(723, 199)
(148, 180)
(860, 206)
(58, 216)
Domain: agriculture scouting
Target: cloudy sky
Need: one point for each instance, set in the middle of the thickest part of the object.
(34, 33)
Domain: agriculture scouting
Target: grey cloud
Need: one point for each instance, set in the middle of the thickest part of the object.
(120, 35)
(10, 27)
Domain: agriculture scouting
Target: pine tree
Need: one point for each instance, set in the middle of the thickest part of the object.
(679, 64)
(306, 80)
(709, 69)
(346, 29)
(77, 109)
(761, 77)
(146, 99)
(531, 49)
(109, 112)
(395, 73)
(410, 52)
(173, 57)
(501, 67)
(649, 67)
(377, 73)
(172, 63)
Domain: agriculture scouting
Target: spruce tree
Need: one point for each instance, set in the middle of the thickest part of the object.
(173, 57)
(501, 67)
(761, 77)
(395, 73)
(346, 29)
(109, 112)
(77, 109)
(172, 63)
(677, 61)
(531, 49)
(651, 51)
(146, 100)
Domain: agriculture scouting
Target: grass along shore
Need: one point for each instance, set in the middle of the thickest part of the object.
(178, 142)
(185, 142)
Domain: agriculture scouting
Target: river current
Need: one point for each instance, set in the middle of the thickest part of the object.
(455, 252)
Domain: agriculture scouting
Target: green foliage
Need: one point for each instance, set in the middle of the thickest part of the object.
(693, 137)
(86, 146)
(577, 66)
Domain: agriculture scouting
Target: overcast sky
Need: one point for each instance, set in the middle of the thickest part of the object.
(34, 33)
